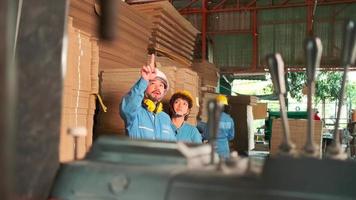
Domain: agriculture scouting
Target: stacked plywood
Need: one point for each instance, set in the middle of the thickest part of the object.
(80, 87)
(172, 35)
(298, 129)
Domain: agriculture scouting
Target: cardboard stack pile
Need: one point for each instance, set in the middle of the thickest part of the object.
(209, 75)
(133, 29)
(115, 83)
(172, 35)
(298, 130)
(79, 92)
(129, 49)
(259, 111)
(85, 16)
(205, 98)
(208, 82)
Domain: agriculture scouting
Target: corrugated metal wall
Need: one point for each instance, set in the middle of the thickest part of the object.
(282, 31)
(279, 30)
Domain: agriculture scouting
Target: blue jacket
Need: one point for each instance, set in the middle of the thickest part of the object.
(225, 134)
(187, 133)
(141, 123)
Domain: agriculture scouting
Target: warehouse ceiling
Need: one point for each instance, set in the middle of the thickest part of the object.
(240, 33)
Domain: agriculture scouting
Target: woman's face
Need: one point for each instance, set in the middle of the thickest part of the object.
(180, 106)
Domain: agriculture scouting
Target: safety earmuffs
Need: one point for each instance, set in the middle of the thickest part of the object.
(152, 107)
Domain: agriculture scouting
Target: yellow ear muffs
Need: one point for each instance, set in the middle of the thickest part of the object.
(159, 108)
(152, 107)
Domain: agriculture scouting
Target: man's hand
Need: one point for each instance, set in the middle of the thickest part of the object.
(148, 72)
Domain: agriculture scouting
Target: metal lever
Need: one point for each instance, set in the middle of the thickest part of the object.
(276, 68)
(214, 111)
(347, 58)
(313, 50)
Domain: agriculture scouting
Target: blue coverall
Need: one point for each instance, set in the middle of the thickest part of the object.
(187, 133)
(225, 134)
(141, 123)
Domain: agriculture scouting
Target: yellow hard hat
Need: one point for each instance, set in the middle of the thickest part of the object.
(222, 99)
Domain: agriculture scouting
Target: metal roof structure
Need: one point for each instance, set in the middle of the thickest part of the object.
(240, 33)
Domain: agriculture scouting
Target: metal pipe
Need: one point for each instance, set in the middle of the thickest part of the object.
(108, 18)
(214, 111)
(313, 50)
(276, 68)
(348, 58)
(203, 29)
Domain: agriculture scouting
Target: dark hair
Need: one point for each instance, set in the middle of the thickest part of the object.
(182, 96)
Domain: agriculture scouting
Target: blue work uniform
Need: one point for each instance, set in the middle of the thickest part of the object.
(141, 123)
(187, 133)
(203, 129)
(225, 134)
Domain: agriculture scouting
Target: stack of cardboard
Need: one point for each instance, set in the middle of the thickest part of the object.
(129, 48)
(115, 83)
(84, 16)
(80, 87)
(298, 134)
(209, 75)
(259, 111)
(208, 82)
(205, 98)
(172, 35)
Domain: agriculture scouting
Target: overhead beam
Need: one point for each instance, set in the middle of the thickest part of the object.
(277, 6)
(219, 4)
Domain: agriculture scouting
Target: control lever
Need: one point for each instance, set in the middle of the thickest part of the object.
(276, 68)
(348, 56)
(214, 112)
(313, 50)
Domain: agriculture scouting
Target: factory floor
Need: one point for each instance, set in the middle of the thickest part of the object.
(260, 153)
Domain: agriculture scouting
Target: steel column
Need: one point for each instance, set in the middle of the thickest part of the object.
(203, 30)
(254, 40)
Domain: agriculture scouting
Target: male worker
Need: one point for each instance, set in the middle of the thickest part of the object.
(141, 108)
(226, 130)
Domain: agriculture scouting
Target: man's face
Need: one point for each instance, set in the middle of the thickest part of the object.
(155, 90)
